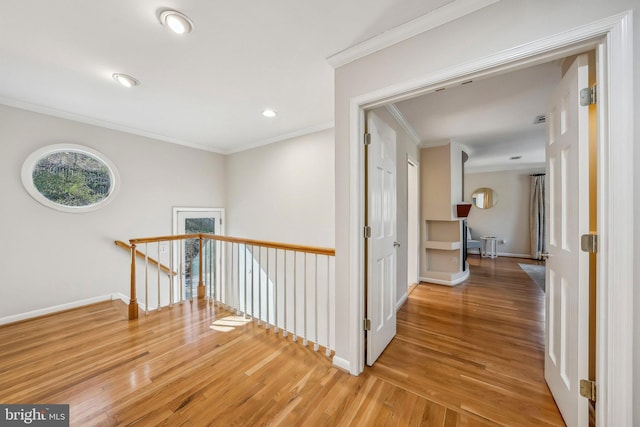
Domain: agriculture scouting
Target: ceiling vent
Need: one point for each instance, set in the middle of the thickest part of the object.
(540, 119)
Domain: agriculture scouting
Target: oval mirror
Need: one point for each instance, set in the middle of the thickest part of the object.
(484, 198)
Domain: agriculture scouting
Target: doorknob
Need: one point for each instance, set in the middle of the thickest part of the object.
(396, 244)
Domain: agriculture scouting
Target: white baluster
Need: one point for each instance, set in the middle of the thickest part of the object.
(181, 269)
(266, 324)
(295, 299)
(285, 332)
(316, 346)
(244, 283)
(305, 342)
(170, 274)
(259, 285)
(216, 271)
(328, 349)
(275, 296)
(146, 278)
(158, 246)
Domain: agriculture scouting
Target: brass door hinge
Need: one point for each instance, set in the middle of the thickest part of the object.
(367, 324)
(588, 389)
(367, 139)
(367, 232)
(589, 243)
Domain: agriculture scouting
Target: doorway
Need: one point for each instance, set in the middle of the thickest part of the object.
(187, 252)
(413, 226)
(611, 39)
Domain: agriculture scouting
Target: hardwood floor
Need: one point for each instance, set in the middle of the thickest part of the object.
(464, 356)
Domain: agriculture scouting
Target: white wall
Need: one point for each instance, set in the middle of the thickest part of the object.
(284, 192)
(501, 26)
(509, 219)
(49, 258)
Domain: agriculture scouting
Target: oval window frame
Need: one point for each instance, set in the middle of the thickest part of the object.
(36, 156)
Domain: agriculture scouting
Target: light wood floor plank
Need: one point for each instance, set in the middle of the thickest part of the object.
(471, 355)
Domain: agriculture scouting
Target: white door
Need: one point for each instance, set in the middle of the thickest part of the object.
(192, 221)
(567, 277)
(381, 217)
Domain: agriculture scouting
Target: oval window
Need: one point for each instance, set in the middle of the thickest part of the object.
(70, 178)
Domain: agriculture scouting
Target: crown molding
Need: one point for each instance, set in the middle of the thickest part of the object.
(301, 132)
(529, 167)
(429, 21)
(54, 112)
(402, 121)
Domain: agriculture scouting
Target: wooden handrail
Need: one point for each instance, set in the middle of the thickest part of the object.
(133, 303)
(152, 261)
(250, 242)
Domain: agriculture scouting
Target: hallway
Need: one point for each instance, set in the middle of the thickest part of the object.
(477, 347)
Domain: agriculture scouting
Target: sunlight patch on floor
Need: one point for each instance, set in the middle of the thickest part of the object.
(229, 323)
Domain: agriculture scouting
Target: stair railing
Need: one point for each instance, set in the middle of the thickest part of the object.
(281, 286)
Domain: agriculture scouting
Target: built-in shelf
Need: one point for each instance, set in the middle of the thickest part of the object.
(442, 245)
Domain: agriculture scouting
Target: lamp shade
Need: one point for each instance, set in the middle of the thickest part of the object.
(462, 209)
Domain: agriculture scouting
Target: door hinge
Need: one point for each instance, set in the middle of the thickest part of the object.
(588, 389)
(589, 95)
(367, 231)
(367, 324)
(367, 139)
(589, 243)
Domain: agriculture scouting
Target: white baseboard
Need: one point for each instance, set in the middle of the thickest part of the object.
(511, 255)
(54, 309)
(341, 363)
(449, 279)
(120, 296)
(401, 301)
(504, 254)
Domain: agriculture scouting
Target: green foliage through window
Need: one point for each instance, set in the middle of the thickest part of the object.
(72, 178)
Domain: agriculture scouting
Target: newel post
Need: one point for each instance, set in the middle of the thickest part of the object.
(133, 301)
(201, 290)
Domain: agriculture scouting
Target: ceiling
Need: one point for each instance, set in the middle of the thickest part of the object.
(206, 89)
(492, 118)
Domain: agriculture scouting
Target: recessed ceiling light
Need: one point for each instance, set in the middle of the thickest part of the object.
(125, 80)
(269, 113)
(177, 22)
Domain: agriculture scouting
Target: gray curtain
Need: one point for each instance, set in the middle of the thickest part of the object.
(537, 224)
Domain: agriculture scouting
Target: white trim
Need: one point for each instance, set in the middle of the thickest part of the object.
(177, 209)
(512, 255)
(23, 105)
(54, 309)
(429, 21)
(404, 124)
(615, 259)
(283, 137)
(448, 279)
(341, 363)
(613, 36)
(503, 168)
(121, 296)
(401, 301)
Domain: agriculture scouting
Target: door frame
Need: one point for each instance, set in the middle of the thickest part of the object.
(177, 209)
(413, 230)
(612, 39)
